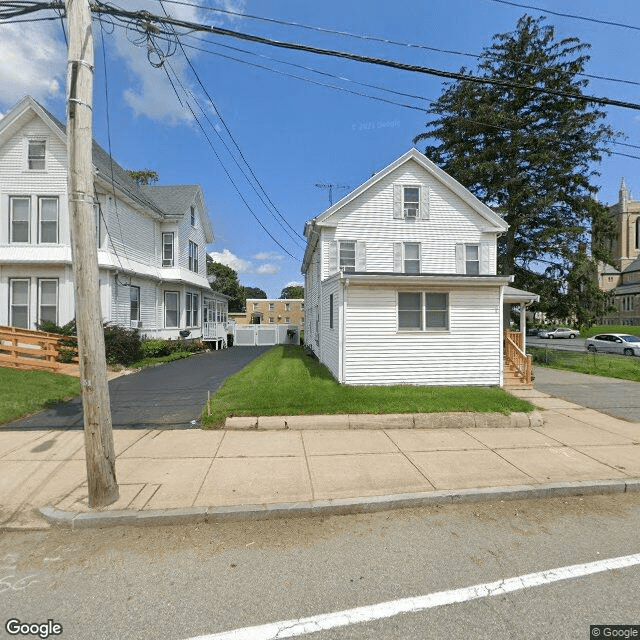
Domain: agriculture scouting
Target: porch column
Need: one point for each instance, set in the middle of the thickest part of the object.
(523, 325)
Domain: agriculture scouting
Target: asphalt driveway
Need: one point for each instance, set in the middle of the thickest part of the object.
(170, 396)
(618, 398)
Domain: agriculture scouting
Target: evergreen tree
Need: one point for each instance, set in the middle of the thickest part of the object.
(529, 155)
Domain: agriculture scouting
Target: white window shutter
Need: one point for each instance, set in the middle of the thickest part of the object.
(332, 256)
(397, 201)
(361, 255)
(424, 202)
(460, 259)
(485, 261)
(397, 257)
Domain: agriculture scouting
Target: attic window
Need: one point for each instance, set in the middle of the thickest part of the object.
(411, 202)
(36, 155)
(193, 216)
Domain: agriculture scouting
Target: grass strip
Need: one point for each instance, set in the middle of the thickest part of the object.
(24, 392)
(287, 381)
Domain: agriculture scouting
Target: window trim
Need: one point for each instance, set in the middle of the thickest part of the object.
(191, 306)
(12, 240)
(177, 309)
(40, 305)
(41, 199)
(331, 311)
(12, 281)
(33, 158)
(193, 216)
(193, 256)
(405, 202)
(168, 262)
(405, 259)
(133, 288)
(346, 268)
(425, 327)
(467, 261)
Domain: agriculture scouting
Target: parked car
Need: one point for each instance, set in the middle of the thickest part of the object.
(533, 332)
(559, 332)
(614, 343)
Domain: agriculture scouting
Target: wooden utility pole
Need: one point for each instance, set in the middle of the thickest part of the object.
(98, 434)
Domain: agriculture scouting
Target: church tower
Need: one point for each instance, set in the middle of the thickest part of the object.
(626, 213)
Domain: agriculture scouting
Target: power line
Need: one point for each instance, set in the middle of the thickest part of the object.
(145, 16)
(568, 15)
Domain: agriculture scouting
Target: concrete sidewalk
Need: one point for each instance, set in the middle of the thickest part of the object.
(170, 476)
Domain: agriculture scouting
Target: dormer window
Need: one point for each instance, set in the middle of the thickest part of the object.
(411, 202)
(36, 155)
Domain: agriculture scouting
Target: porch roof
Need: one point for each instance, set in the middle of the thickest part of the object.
(512, 295)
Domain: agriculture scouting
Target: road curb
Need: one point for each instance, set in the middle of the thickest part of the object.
(196, 515)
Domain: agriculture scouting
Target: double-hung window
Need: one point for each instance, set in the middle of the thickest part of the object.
(193, 256)
(48, 220)
(19, 302)
(411, 202)
(191, 308)
(472, 259)
(193, 216)
(48, 300)
(20, 218)
(347, 256)
(134, 298)
(419, 311)
(171, 309)
(411, 257)
(36, 155)
(167, 249)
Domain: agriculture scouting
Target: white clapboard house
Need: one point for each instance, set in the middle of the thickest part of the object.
(151, 240)
(401, 284)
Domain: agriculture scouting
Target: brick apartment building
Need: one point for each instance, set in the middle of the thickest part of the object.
(271, 311)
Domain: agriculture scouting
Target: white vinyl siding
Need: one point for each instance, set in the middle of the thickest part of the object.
(377, 353)
(47, 300)
(330, 347)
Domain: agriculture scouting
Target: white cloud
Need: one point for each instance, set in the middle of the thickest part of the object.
(267, 269)
(227, 258)
(268, 255)
(294, 284)
(32, 61)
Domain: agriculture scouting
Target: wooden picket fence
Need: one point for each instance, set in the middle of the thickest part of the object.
(25, 349)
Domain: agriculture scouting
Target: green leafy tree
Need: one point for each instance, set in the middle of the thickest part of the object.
(254, 292)
(225, 280)
(293, 291)
(143, 176)
(529, 154)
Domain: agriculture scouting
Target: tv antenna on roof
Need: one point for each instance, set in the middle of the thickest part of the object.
(330, 188)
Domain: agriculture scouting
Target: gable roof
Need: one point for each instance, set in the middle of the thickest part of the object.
(414, 155)
(163, 201)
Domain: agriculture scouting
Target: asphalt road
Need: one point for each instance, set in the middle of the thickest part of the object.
(177, 583)
(563, 344)
(171, 395)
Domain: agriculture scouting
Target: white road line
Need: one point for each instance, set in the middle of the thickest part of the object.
(302, 626)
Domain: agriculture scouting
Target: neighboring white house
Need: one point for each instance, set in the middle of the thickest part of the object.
(151, 240)
(401, 284)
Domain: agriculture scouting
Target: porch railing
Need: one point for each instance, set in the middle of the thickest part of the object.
(516, 357)
(25, 349)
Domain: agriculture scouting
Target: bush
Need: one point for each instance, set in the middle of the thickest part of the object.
(154, 348)
(121, 345)
(68, 329)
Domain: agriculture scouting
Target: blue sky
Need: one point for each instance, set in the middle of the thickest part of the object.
(295, 134)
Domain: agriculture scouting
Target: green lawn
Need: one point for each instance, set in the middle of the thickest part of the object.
(598, 364)
(287, 381)
(24, 392)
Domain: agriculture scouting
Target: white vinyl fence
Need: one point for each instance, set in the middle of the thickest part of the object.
(250, 335)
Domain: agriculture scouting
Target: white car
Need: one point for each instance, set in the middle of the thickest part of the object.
(623, 343)
(560, 332)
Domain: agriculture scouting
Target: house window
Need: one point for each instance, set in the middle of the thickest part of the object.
(472, 259)
(97, 212)
(287, 306)
(48, 220)
(193, 256)
(255, 306)
(271, 320)
(637, 233)
(411, 201)
(436, 307)
(411, 257)
(347, 256)
(409, 310)
(287, 319)
(170, 309)
(191, 307)
(19, 303)
(193, 216)
(134, 306)
(331, 311)
(19, 216)
(167, 249)
(48, 301)
(36, 155)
